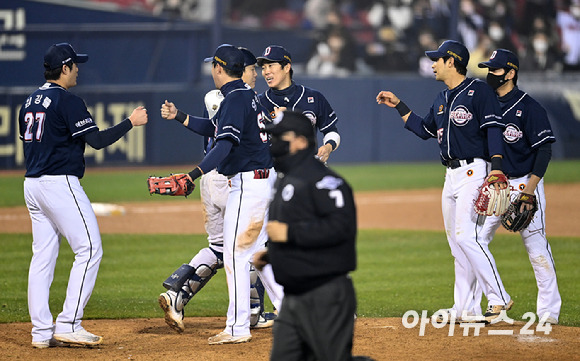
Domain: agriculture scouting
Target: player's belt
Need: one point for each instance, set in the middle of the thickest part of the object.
(456, 163)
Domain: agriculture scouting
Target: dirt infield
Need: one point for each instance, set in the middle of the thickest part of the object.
(380, 338)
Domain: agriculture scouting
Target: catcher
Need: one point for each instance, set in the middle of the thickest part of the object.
(528, 139)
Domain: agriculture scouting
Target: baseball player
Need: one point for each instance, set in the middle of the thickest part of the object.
(466, 121)
(241, 152)
(283, 93)
(528, 139)
(54, 126)
(187, 280)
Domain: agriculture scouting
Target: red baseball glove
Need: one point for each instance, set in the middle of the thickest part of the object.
(172, 185)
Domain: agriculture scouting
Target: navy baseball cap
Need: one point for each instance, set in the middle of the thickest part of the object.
(249, 58)
(275, 54)
(501, 59)
(450, 48)
(59, 54)
(228, 56)
(291, 121)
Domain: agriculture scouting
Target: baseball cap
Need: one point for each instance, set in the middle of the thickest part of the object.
(59, 54)
(228, 56)
(274, 53)
(501, 58)
(450, 48)
(249, 58)
(291, 121)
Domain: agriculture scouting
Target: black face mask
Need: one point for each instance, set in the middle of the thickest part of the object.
(495, 81)
(279, 148)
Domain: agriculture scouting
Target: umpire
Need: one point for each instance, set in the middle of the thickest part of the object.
(312, 231)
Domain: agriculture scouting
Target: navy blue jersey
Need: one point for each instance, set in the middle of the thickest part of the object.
(52, 122)
(306, 100)
(458, 118)
(527, 127)
(240, 120)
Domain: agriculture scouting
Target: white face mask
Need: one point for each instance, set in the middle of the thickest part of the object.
(540, 46)
(496, 33)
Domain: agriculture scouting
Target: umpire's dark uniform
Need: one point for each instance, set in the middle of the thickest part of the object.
(316, 319)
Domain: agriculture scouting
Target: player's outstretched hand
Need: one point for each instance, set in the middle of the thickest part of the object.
(278, 111)
(138, 116)
(324, 152)
(168, 110)
(387, 98)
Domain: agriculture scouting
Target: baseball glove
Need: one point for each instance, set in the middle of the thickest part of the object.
(172, 185)
(491, 201)
(515, 219)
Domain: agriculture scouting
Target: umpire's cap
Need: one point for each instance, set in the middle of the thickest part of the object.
(291, 121)
(228, 56)
(59, 54)
(249, 58)
(501, 59)
(453, 49)
(275, 54)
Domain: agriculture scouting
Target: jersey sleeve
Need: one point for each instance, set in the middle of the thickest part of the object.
(424, 128)
(328, 118)
(487, 107)
(537, 126)
(77, 116)
(230, 119)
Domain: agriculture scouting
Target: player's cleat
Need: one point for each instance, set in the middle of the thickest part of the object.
(493, 312)
(173, 317)
(81, 337)
(48, 343)
(265, 320)
(224, 337)
(551, 320)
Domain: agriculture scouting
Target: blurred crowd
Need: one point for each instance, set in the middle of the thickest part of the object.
(370, 36)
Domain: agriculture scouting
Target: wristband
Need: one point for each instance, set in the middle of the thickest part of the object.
(332, 144)
(402, 108)
(496, 163)
(196, 173)
(180, 116)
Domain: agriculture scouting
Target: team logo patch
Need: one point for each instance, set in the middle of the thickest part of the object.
(470, 93)
(288, 192)
(267, 51)
(441, 108)
(512, 133)
(522, 186)
(329, 182)
(519, 113)
(310, 99)
(46, 102)
(470, 172)
(460, 116)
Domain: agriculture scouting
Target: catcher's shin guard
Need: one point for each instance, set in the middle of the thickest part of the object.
(179, 277)
(256, 297)
(202, 275)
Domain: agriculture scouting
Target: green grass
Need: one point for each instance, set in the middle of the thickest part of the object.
(397, 271)
(129, 184)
